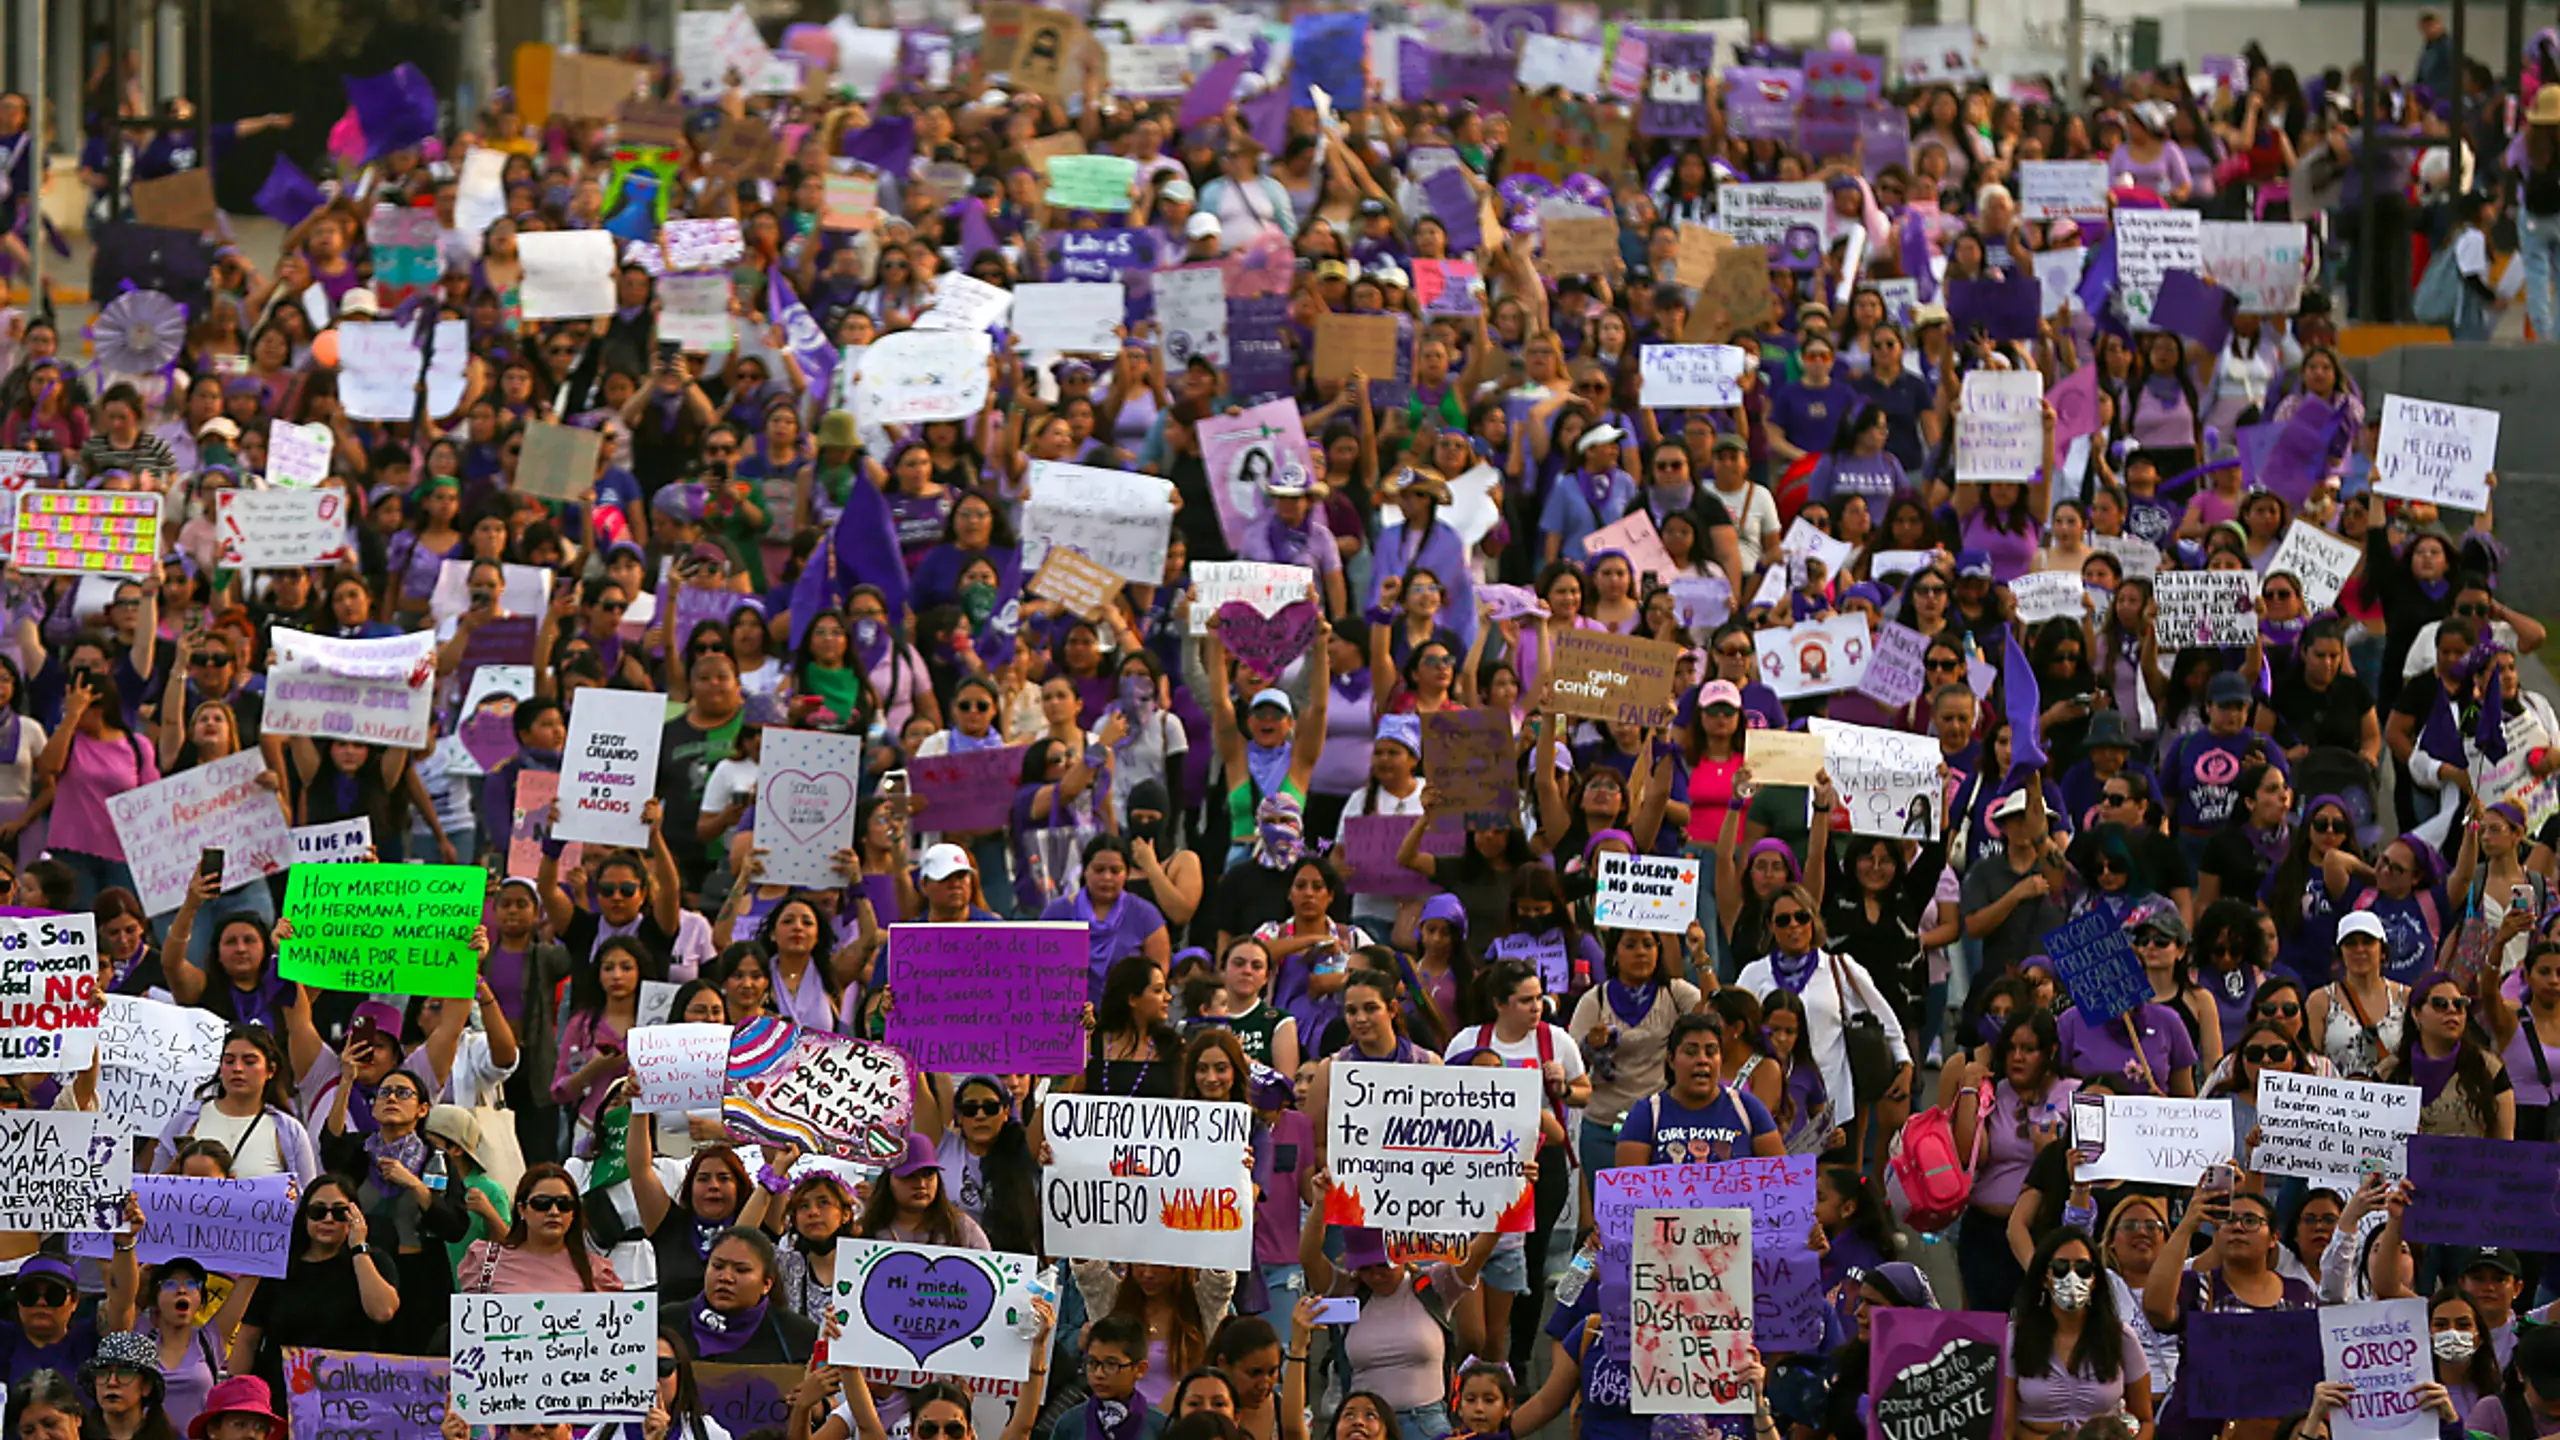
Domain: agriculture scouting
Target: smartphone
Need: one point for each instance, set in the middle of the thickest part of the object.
(893, 788)
(210, 863)
(668, 351)
(2520, 898)
(2088, 1126)
(2218, 1182)
(1337, 1310)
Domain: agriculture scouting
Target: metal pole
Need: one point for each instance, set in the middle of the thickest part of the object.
(2461, 88)
(2073, 16)
(2368, 259)
(39, 149)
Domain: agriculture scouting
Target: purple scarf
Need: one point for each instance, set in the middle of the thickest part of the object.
(1113, 1419)
(1793, 971)
(2433, 1074)
(1631, 1004)
(717, 1334)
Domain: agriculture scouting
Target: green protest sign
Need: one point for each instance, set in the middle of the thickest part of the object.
(384, 929)
(1091, 182)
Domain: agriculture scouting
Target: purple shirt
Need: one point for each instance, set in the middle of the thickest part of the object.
(2090, 1050)
(1811, 418)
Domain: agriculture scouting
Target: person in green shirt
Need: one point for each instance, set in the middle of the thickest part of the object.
(732, 503)
(456, 1132)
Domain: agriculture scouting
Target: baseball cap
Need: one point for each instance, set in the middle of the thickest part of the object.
(1600, 435)
(2361, 922)
(1274, 695)
(221, 427)
(1727, 440)
(920, 1157)
(1202, 226)
(1332, 270)
(360, 301)
(1372, 206)
(2160, 915)
(1179, 192)
(1973, 565)
(2492, 1258)
(941, 862)
(1719, 692)
(379, 1015)
(2226, 688)
(2014, 803)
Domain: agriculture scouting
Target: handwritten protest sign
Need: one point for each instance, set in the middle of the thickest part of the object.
(1778, 1192)
(2062, 190)
(1635, 536)
(1191, 311)
(1579, 245)
(908, 377)
(165, 827)
(1619, 679)
(2381, 1351)
(851, 202)
(340, 841)
(678, 1067)
(2332, 1131)
(63, 1170)
(693, 310)
(1468, 760)
(2260, 264)
(391, 929)
(1431, 1147)
(963, 302)
(2483, 1192)
(1761, 214)
(2000, 426)
(336, 1394)
(702, 244)
(609, 772)
(1118, 520)
(1675, 376)
(1100, 183)
(2431, 451)
(297, 456)
(231, 1227)
(1690, 1283)
(805, 787)
(2160, 1141)
(1074, 318)
(2250, 1364)
(1155, 1182)
(375, 692)
(537, 1359)
(280, 529)
(1066, 576)
(932, 1308)
(2095, 959)
(1817, 657)
(1887, 780)
(966, 790)
(2150, 244)
(2049, 595)
(2138, 556)
(2204, 607)
(824, 1093)
(1646, 892)
(88, 532)
(1005, 999)
(1895, 675)
(534, 794)
(152, 1057)
(49, 1002)
(1936, 1374)
(2317, 560)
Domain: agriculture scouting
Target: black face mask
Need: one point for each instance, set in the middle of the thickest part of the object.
(1150, 796)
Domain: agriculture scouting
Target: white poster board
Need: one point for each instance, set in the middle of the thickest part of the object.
(538, 1359)
(2436, 452)
(1151, 1182)
(609, 770)
(1119, 520)
(2000, 426)
(2160, 1141)
(1647, 892)
(1432, 1148)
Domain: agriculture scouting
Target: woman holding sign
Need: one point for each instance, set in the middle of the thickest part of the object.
(1396, 1348)
(2234, 1274)
(2462, 1088)
(1835, 990)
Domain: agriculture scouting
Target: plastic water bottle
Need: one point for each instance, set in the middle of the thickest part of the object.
(1578, 1272)
(1042, 1286)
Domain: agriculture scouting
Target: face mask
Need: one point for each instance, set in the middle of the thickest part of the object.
(1676, 496)
(2456, 1345)
(978, 602)
(2071, 1292)
(1750, 363)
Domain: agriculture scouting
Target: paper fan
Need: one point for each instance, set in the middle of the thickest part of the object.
(138, 333)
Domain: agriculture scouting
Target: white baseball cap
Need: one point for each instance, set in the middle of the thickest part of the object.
(941, 862)
(2361, 922)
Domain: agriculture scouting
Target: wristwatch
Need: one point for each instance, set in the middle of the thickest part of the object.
(363, 1252)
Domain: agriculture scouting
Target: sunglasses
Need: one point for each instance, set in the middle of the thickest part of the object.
(1791, 919)
(2332, 826)
(972, 707)
(2448, 1004)
(2280, 1009)
(2266, 1054)
(208, 662)
(551, 1204)
(1928, 589)
(618, 889)
(1946, 664)
(2471, 612)
(332, 1211)
(666, 1366)
(716, 451)
(939, 1429)
(1727, 652)
(611, 607)
(2085, 1269)
(980, 1109)
(44, 1297)
(2117, 797)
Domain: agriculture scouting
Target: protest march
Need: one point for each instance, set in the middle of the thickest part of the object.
(1142, 722)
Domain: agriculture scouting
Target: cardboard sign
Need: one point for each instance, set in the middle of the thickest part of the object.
(967, 790)
(1616, 679)
(558, 461)
(49, 1002)
(1470, 760)
(1084, 588)
(2381, 1349)
(2204, 607)
(536, 1359)
(609, 771)
(823, 1093)
(1785, 757)
(1152, 1182)
(1344, 343)
(2483, 1192)
(806, 785)
(165, 828)
(932, 1308)
(63, 1170)
(1887, 780)
(1003, 999)
(1690, 1325)
(1685, 376)
(88, 532)
(2331, 1131)
(2000, 426)
(182, 201)
(384, 929)
(1936, 1375)
(2160, 1141)
(1120, 520)
(377, 692)
(280, 529)
(1433, 1148)
(1735, 298)
(1579, 247)
(2095, 958)
(2319, 562)
(1817, 657)
(1646, 892)
(2433, 451)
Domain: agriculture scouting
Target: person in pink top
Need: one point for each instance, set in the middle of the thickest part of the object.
(90, 757)
(545, 1251)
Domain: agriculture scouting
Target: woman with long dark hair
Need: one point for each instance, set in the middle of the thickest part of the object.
(2071, 1358)
(818, 1211)
(911, 1204)
(2462, 1088)
(714, 1195)
(248, 1108)
(985, 1155)
(2296, 893)
(1135, 1046)
(546, 1249)
(334, 1292)
(2030, 1099)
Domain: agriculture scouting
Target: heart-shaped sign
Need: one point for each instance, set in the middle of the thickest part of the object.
(924, 1305)
(805, 806)
(1265, 645)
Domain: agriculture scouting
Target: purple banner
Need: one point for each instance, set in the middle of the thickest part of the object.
(507, 640)
(1259, 362)
(2006, 307)
(697, 606)
(1413, 69)
(331, 1393)
(1367, 853)
(1936, 1374)
(971, 790)
(1884, 138)
(1825, 133)
(1453, 204)
(2483, 1192)
(1000, 999)
(1760, 102)
(1847, 82)
(1485, 79)
(1675, 92)
(2188, 304)
(2252, 1364)
(1215, 89)
(1779, 1193)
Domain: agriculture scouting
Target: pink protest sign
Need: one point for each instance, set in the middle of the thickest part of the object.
(1000, 999)
(970, 790)
(1690, 1328)
(1895, 676)
(88, 532)
(1642, 544)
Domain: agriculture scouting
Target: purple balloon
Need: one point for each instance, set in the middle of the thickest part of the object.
(1587, 188)
(1523, 192)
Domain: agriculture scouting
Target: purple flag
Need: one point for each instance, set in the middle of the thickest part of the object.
(288, 197)
(1453, 204)
(1328, 49)
(800, 330)
(2190, 305)
(1413, 69)
(2287, 457)
(2023, 703)
(2075, 405)
(1266, 117)
(2007, 307)
(886, 145)
(977, 236)
(1215, 90)
(1915, 255)
(2098, 277)
(814, 591)
(864, 549)
(396, 109)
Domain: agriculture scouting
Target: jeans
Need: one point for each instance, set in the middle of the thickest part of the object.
(1990, 1270)
(2539, 238)
(1283, 1284)
(1423, 1422)
(1705, 855)
(2473, 321)
(91, 874)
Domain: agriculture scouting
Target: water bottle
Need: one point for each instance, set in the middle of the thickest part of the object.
(1042, 1287)
(1578, 1272)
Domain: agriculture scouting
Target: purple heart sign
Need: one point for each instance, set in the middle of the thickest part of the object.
(1265, 645)
(924, 1304)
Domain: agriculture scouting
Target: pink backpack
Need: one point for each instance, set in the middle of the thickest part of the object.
(1925, 1180)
